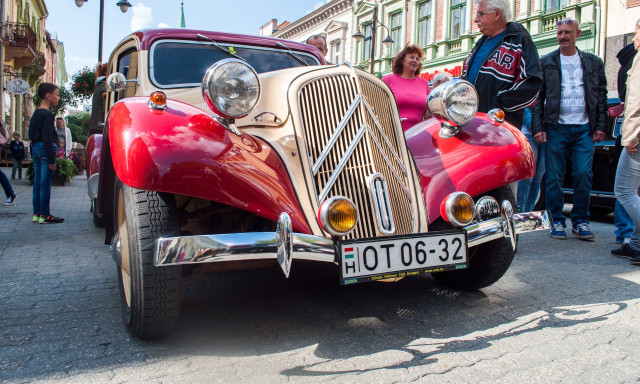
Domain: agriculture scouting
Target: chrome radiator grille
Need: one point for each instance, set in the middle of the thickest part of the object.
(350, 134)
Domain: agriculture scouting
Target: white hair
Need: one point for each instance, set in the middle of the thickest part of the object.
(638, 23)
(503, 6)
(439, 78)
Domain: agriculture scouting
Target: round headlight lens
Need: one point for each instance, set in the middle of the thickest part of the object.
(231, 88)
(458, 209)
(338, 215)
(454, 102)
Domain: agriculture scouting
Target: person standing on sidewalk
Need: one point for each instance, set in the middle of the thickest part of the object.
(43, 135)
(628, 172)
(17, 155)
(503, 65)
(529, 189)
(621, 219)
(569, 116)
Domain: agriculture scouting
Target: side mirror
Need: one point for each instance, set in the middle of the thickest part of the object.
(117, 82)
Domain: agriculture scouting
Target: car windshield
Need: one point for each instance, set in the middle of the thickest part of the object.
(182, 64)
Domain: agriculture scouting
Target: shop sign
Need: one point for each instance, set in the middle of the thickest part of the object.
(17, 86)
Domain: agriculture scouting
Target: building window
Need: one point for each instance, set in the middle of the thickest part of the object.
(396, 33)
(554, 5)
(458, 14)
(424, 23)
(366, 43)
(336, 49)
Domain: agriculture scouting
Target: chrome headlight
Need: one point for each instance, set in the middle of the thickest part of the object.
(454, 102)
(231, 88)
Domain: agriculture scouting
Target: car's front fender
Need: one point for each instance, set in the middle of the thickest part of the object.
(182, 150)
(479, 158)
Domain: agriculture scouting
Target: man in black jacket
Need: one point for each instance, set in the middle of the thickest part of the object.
(570, 115)
(504, 65)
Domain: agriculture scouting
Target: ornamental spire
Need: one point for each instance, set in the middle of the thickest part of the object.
(181, 22)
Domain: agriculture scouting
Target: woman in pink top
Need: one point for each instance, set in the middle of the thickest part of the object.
(409, 89)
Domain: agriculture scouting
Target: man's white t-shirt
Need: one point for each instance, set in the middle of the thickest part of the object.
(572, 104)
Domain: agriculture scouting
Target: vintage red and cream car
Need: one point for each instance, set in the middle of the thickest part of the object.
(223, 151)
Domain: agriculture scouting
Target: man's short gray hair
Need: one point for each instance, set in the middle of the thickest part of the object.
(503, 5)
(439, 78)
(638, 23)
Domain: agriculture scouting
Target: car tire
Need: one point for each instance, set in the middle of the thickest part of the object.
(150, 296)
(97, 220)
(488, 262)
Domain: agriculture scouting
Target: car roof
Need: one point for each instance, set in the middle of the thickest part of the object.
(148, 36)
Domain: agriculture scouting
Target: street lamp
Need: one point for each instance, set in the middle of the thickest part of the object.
(124, 7)
(387, 42)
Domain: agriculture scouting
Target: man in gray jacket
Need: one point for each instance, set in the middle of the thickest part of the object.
(569, 116)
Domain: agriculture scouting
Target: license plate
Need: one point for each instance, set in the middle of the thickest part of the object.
(399, 256)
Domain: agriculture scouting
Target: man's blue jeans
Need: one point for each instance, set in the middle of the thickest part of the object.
(622, 221)
(41, 180)
(626, 188)
(529, 189)
(576, 143)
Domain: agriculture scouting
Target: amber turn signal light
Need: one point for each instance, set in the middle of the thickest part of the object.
(338, 216)
(158, 100)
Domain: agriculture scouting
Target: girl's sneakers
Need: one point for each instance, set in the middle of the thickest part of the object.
(36, 218)
(49, 219)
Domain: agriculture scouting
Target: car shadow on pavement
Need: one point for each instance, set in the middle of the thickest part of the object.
(259, 313)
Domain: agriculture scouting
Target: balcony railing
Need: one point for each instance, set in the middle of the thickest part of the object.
(40, 60)
(19, 33)
(549, 22)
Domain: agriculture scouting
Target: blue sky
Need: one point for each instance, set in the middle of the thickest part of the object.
(77, 27)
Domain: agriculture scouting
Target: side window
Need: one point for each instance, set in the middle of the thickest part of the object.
(128, 66)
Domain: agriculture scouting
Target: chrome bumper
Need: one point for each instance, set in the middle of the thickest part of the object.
(284, 245)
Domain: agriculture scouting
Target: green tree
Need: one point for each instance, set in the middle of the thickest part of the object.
(79, 126)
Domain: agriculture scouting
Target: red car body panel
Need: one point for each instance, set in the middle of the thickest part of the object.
(94, 147)
(481, 157)
(183, 150)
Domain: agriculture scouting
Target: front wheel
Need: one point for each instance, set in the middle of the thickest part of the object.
(488, 262)
(150, 295)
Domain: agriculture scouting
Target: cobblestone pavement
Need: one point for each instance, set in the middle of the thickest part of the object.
(566, 311)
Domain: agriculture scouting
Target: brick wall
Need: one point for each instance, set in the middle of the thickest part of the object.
(632, 3)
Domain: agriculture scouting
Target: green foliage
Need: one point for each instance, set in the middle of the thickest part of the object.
(83, 83)
(66, 100)
(79, 126)
(66, 168)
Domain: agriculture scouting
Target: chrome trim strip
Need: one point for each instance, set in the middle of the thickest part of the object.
(237, 247)
(483, 232)
(381, 204)
(264, 245)
(377, 143)
(335, 136)
(386, 139)
(341, 164)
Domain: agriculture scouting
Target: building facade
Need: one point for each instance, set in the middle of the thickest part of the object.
(621, 18)
(28, 53)
(444, 29)
(333, 21)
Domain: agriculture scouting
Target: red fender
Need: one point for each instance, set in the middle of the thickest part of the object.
(481, 157)
(183, 150)
(94, 148)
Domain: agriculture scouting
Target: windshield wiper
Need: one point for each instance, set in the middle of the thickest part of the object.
(220, 47)
(291, 53)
